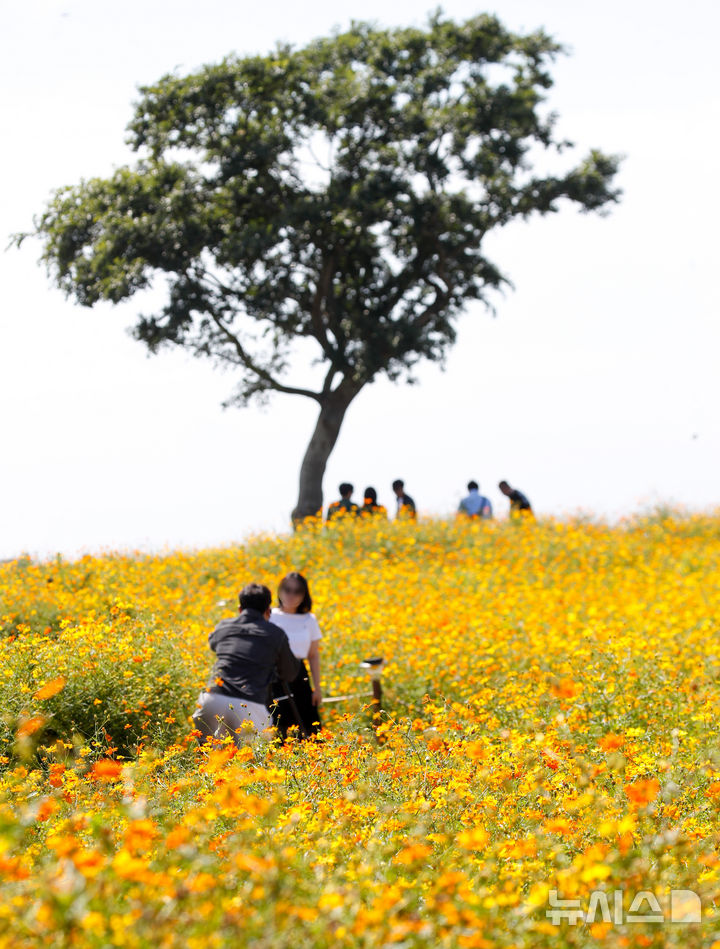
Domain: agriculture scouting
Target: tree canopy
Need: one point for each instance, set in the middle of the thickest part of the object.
(337, 194)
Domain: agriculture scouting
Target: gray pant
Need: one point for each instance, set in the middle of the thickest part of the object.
(218, 716)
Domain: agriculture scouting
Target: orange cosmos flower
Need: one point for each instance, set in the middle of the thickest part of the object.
(47, 808)
(30, 726)
(51, 688)
(474, 839)
(106, 770)
(643, 792)
(565, 689)
(611, 742)
(411, 853)
(475, 750)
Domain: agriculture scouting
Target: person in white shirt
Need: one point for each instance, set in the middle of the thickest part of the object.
(295, 617)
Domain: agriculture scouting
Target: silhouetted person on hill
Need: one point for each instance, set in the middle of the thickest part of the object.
(345, 507)
(370, 506)
(475, 504)
(405, 504)
(518, 502)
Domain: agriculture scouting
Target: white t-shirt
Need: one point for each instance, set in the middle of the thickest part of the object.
(301, 628)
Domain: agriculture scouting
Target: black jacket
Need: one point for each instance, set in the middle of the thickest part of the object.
(250, 651)
(518, 501)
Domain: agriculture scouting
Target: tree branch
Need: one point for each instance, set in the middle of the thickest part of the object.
(402, 283)
(327, 384)
(261, 373)
(322, 292)
(432, 309)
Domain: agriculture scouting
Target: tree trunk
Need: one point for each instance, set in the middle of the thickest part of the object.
(332, 412)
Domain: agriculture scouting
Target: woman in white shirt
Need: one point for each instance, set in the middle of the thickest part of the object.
(295, 617)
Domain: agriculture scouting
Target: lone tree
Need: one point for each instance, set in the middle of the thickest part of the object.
(338, 194)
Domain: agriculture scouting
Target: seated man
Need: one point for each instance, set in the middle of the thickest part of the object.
(345, 507)
(518, 502)
(475, 504)
(250, 651)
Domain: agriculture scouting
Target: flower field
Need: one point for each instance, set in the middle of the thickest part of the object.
(551, 699)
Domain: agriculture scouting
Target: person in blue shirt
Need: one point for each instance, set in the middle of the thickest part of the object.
(475, 504)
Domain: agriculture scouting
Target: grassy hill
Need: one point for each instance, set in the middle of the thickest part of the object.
(551, 696)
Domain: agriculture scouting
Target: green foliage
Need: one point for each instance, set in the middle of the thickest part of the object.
(122, 685)
(339, 193)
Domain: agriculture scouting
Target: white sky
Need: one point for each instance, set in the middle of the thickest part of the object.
(596, 387)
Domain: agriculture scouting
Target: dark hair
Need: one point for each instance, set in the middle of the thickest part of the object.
(370, 495)
(398, 484)
(255, 596)
(503, 484)
(473, 486)
(306, 604)
(345, 489)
